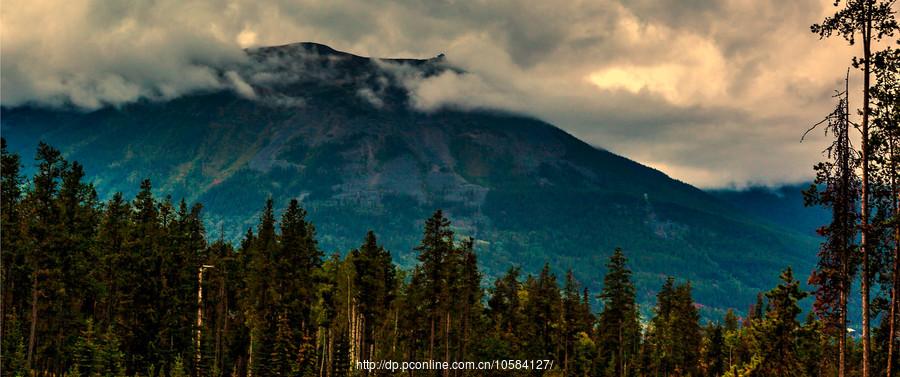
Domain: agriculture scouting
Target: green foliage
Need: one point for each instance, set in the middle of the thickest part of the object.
(231, 155)
(178, 369)
(776, 336)
(714, 357)
(13, 352)
(618, 329)
(274, 307)
(674, 336)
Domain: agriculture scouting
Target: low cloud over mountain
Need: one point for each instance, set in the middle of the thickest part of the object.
(713, 93)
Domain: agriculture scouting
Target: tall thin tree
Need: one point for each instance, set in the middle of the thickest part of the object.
(871, 20)
(837, 265)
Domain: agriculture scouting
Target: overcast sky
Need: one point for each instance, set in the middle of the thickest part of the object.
(714, 93)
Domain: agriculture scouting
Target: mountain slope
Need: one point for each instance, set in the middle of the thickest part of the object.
(338, 132)
(781, 205)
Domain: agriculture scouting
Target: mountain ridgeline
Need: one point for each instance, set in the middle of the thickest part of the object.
(783, 206)
(341, 134)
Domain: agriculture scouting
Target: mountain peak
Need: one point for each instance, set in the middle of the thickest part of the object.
(334, 130)
(325, 50)
(309, 47)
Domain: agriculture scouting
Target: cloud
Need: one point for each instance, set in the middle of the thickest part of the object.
(93, 53)
(712, 93)
(240, 86)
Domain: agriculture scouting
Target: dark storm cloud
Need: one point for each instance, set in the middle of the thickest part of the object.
(712, 92)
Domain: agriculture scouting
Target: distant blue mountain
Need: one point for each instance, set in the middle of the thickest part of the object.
(782, 206)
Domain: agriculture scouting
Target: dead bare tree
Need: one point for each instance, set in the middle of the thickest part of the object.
(839, 191)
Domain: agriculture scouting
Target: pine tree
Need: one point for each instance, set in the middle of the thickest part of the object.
(542, 310)
(812, 343)
(870, 21)
(436, 245)
(572, 320)
(375, 285)
(838, 259)
(506, 310)
(685, 331)
(734, 344)
(469, 292)
(178, 368)
(282, 361)
(657, 345)
(141, 314)
(886, 150)
(15, 275)
(85, 352)
(298, 258)
(44, 255)
(260, 289)
(13, 343)
(415, 316)
(776, 336)
(674, 337)
(714, 357)
(618, 329)
(112, 236)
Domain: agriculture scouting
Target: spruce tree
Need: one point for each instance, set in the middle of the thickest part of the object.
(436, 245)
(469, 292)
(618, 326)
(15, 275)
(674, 337)
(375, 285)
(261, 292)
(572, 321)
(714, 357)
(684, 326)
(45, 243)
(542, 310)
(506, 310)
(776, 336)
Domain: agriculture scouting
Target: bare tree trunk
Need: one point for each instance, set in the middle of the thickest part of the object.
(620, 367)
(892, 324)
(447, 344)
(350, 321)
(31, 332)
(842, 337)
(845, 282)
(864, 205)
(323, 343)
(431, 346)
(250, 357)
(465, 332)
(358, 333)
(223, 320)
(895, 284)
(197, 356)
(330, 354)
(396, 332)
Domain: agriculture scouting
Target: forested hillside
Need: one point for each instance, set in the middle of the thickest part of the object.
(783, 206)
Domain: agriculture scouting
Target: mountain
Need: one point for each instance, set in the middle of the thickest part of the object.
(339, 132)
(781, 205)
